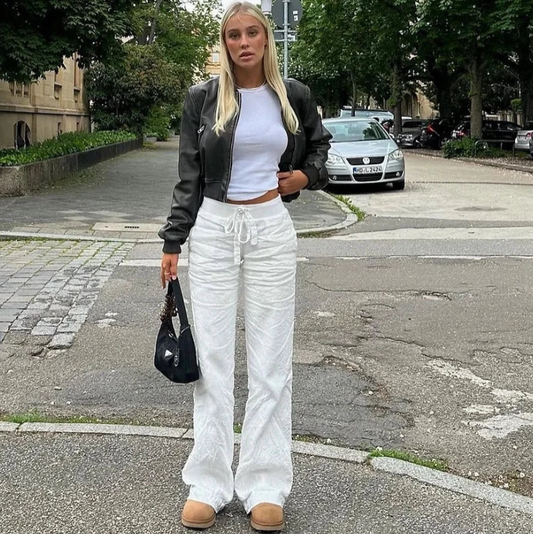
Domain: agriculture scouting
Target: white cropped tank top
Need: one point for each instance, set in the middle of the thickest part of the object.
(260, 140)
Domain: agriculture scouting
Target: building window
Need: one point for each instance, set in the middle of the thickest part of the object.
(76, 95)
(18, 89)
(26, 90)
(22, 135)
(77, 126)
(12, 88)
(57, 91)
(59, 129)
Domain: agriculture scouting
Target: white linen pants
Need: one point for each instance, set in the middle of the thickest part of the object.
(260, 240)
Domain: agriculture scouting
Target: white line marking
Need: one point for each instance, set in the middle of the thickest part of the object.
(510, 232)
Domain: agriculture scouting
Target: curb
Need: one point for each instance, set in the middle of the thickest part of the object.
(426, 475)
(478, 161)
(350, 219)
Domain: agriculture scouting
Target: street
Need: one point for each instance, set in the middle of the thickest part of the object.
(413, 329)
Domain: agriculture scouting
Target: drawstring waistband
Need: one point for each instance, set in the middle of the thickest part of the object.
(241, 221)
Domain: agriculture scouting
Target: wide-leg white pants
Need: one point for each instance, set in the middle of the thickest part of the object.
(260, 240)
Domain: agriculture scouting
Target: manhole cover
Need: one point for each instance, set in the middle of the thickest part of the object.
(128, 227)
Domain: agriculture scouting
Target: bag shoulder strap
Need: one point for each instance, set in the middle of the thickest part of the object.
(174, 288)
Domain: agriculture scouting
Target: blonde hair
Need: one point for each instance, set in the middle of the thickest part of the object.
(227, 105)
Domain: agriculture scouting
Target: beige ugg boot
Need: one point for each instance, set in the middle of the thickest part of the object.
(197, 515)
(267, 517)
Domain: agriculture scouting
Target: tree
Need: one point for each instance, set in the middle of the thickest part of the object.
(165, 55)
(474, 36)
(37, 34)
(124, 95)
(515, 20)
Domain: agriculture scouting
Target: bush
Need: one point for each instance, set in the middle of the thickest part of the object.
(158, 123)
(63, 144)
(466, 148)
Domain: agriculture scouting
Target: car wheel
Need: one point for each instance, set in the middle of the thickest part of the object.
(399, 185)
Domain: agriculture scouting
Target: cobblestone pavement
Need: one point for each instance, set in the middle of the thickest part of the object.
(48, 287)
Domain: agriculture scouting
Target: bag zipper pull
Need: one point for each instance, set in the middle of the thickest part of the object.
(201, 130)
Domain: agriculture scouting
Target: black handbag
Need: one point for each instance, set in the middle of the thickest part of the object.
(175, 356)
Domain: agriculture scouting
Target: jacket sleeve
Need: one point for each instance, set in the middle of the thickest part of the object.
(317, 145)
(186, 198)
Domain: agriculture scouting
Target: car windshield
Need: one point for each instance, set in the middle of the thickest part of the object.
(353, 131)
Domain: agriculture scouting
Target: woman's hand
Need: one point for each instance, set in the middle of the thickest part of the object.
(169, 268)
(291, 182)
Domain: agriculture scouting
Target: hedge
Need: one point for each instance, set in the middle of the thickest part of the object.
(67, 143)
(466, 148)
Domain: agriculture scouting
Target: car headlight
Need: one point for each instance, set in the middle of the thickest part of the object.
(334, 160)
(397, 154)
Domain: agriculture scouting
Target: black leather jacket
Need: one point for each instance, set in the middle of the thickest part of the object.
(205, 159)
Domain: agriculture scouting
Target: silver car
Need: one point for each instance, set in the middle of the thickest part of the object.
(523, 137)
(362, 152)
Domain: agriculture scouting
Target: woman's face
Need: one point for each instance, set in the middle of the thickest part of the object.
(246, 40)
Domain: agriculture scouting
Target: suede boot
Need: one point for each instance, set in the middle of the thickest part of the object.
(197, 515)
(267, 517)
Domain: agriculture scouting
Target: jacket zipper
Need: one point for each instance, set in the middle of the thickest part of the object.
(200, 132)
(231, 145)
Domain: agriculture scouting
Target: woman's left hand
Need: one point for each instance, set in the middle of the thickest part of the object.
(291, 182)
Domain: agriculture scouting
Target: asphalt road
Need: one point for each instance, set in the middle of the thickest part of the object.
(413, 331)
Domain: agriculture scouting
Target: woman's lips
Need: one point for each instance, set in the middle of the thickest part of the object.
(244, 55)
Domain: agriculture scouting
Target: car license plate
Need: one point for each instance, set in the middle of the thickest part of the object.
(368, 170)
(522, 137)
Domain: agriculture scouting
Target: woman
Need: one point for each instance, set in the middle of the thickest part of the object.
(248, 138)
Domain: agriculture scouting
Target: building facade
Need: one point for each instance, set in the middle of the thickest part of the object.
(32, 113)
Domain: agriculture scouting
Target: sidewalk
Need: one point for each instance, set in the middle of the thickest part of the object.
(112, 201)
(78, 315)
(127, 480)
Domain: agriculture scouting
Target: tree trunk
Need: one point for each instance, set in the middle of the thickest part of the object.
(396, 99)
(443, 85)
(525, 71)
(354, 92)
(476, 97)
(154, 21)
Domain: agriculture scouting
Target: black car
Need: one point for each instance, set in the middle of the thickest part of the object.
(411, 132)
(436, 133)
(499, 133)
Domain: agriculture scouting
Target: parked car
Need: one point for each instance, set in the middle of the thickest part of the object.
(523, 137)
(531, 147)
(379, 114)
(501, 133)
(363, 152)
(411, 132)
(436, 133)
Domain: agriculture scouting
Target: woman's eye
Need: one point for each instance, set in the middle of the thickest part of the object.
(253, 33)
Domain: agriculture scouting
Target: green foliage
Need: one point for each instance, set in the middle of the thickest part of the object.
(471, 148)
(64, 144)
(38, 34)
(166, 55)
(124, 95)
(158, 123)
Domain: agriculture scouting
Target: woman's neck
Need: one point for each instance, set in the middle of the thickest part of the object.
(249, 80)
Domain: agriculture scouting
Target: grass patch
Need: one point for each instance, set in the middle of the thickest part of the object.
(326, 233)
(354, 209)
(36, 417)
(439, 465)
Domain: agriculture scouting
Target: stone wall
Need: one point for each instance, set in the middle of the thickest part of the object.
(18, 181)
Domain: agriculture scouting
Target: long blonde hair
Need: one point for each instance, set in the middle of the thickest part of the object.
(227, 105)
